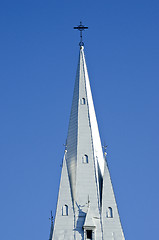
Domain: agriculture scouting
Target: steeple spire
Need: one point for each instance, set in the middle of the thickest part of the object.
(86, 206)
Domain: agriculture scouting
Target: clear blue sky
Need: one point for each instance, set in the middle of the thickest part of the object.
(38, 60)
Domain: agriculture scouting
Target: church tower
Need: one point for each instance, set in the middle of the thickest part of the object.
(86, 206)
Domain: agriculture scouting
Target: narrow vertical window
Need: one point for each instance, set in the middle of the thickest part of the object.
(89, 234)
(85, 159)
(109, 212)
(83, 101)
(65, 210)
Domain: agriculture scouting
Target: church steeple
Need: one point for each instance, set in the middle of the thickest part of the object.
(85, 173)
(83, 140)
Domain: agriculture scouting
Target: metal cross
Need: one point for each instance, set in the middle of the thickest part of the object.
(51, 218)
(88, 201)
(65, 145)
(105, 148)
(81, 28)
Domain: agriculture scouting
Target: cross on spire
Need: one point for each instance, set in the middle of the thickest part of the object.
(88, 201)
(81, 28)
(105, 148)
(51, 218)
(52, 226)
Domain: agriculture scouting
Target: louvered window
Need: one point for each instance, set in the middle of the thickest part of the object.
(89, 234)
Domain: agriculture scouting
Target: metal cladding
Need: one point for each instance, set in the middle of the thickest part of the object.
(86, 206)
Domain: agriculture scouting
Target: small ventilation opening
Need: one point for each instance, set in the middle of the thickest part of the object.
(89, 234)
(85, 159)
(109, 212)
(65, 210)
(83, 101)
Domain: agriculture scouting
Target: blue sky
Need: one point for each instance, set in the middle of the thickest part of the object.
(38, 60)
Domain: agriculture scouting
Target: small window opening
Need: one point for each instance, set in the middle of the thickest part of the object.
(89, 234)
(65, 210)
(85, 159)
(83, 101)
(110, 212)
